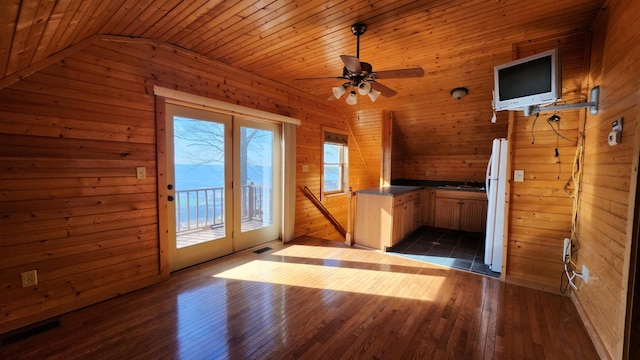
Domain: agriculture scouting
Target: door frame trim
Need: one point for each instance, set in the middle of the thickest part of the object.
(165, 96)
(186, 99)
(161, 164)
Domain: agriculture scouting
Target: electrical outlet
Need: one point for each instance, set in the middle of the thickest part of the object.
(616, 125)
(29, 278)
(566, 251)
(585, 274)
(518, 175)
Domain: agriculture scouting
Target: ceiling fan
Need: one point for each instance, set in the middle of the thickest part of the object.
(361, 77)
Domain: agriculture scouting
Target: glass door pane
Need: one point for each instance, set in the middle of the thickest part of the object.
(256, 174)
(258, 169)
(199, 180)
(199, 151)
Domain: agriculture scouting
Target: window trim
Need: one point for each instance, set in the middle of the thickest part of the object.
(344, 165)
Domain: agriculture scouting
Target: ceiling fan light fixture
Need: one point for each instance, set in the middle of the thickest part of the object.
(338, 91)
(364, 88)
(373, 94)
(362, 78)
(352, 99)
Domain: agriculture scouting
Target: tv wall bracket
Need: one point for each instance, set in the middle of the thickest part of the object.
(594, 95)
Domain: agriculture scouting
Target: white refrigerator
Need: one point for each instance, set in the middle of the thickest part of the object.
(496, 188)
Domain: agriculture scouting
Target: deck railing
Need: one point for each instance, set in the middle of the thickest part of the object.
(204, 207)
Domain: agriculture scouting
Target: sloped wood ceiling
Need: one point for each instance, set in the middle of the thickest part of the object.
(456, 42)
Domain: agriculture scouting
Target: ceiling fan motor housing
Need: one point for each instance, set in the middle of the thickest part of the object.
(358, 29)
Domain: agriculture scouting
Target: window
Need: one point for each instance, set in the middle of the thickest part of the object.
(335, 155)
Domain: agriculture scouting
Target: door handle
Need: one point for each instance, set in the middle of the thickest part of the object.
(170, 198)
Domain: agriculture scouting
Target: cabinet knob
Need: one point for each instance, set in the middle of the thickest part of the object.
(170, 198)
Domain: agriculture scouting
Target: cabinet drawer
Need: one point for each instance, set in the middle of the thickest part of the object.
(457, 194)
(401, 199)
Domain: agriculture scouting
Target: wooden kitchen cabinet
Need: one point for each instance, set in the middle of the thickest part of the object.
(406, 217)
(382, 221)
(447, 214)
(473, 215)
(428, 206)
(460, 210)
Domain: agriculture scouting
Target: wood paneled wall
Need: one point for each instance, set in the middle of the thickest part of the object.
(397, 152)
(610, 175)
(540, 209)
(72, 135)
(471, 167)
(366, 126)
(459, 146)
(364, 168)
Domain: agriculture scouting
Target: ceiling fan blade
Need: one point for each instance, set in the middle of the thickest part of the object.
(352, 63)
(400, 73)
(385, 91)
(323, 78)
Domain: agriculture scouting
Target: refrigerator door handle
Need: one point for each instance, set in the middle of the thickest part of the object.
(487, 178)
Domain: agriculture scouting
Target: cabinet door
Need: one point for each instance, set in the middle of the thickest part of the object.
(473, 215)
(408, 220)
(397, 232)
(428, 195)
(448, 214)
(417, 215)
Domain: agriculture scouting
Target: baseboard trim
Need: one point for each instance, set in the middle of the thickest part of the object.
(588, 325)
(533, 285)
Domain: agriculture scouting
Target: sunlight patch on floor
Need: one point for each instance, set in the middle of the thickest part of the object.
(336, 278)
(348, 254)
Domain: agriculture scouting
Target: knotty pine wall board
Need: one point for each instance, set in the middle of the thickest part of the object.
(72, 136)
(609, 177)
(533, 150)
(607, 189)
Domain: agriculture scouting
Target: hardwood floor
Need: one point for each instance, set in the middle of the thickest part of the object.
(315, 299)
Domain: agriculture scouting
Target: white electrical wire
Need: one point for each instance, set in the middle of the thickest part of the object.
(572, 276)
(574, 180)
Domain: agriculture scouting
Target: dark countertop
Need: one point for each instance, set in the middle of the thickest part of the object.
(412, 185)
(442, 184)
(392, 190)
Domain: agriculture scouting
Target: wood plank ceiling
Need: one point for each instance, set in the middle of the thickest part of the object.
(456, 42)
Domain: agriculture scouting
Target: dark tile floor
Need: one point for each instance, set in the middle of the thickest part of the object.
(456, 249)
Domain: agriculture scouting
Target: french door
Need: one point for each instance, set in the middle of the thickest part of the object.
(257, 183)
(224, 184)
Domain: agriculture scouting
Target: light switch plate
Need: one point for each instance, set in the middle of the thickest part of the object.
(141, 172)
(518, 175)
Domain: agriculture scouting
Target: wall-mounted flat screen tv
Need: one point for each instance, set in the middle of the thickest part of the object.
(533, 80)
